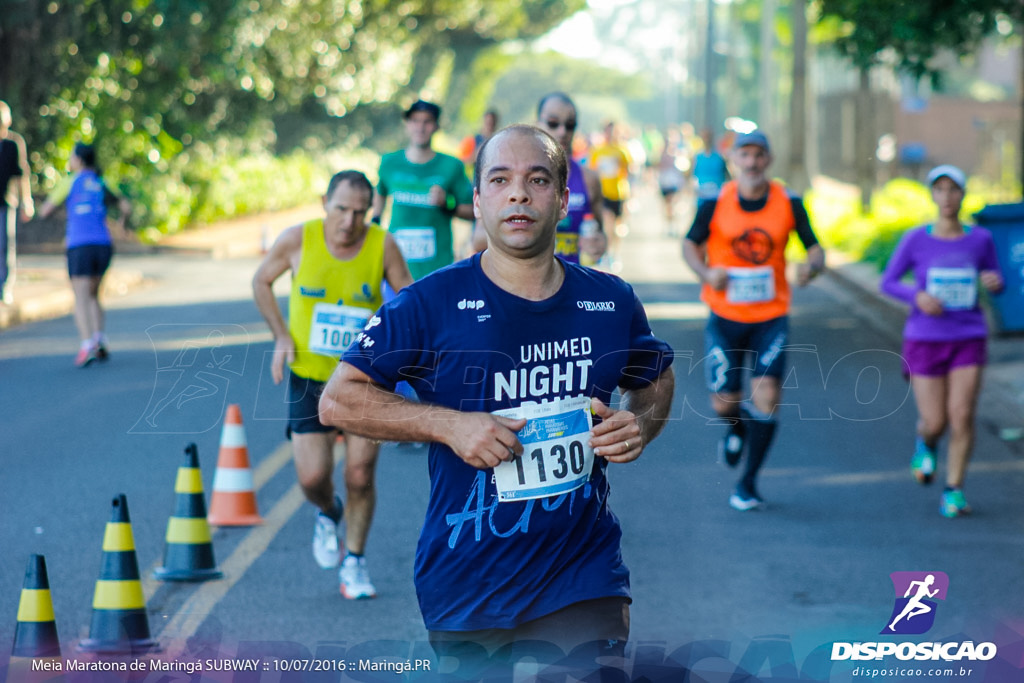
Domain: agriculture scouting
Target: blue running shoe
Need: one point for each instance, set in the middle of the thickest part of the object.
(953, 504)
(922, 463)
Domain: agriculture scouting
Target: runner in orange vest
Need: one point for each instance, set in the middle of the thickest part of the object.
(736, 246)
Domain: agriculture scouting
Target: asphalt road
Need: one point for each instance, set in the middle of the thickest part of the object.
(765, 593)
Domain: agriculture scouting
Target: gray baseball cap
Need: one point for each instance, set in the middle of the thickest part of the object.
(754, 137)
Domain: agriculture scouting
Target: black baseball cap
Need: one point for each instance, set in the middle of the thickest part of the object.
(423, 105)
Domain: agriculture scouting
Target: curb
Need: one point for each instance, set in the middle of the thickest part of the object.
(49, 302)
(861, 281)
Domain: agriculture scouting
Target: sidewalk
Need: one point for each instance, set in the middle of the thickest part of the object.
(42, 290)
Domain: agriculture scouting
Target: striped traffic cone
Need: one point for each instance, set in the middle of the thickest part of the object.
(233, 502)
(119, 623)
(188, 553)
(35, 636)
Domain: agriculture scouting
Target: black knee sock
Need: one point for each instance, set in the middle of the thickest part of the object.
(759, 439)
(734, 422)
(739, 426)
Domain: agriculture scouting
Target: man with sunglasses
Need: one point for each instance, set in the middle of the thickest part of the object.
(576, 235)
(580, 236)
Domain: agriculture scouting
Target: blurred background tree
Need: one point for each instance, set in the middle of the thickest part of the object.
(203, 109)
(185, 98)
(909, 37)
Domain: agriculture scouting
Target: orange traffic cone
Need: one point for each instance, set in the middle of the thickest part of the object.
(233, 502)
(188, 553)
(119, 622)
(36, 648)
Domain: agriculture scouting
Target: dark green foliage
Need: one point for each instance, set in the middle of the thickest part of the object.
(168, 89)
(914, 31)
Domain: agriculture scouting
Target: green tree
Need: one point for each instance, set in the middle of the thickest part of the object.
(522, 80)
(911, 34)
(170, 88)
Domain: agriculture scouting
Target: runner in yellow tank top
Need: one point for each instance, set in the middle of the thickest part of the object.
(337, 265)
(329, 296)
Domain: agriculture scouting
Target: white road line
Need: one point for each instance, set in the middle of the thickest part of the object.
(200, 604)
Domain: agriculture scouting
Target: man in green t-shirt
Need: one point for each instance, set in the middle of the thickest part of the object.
(426, 189)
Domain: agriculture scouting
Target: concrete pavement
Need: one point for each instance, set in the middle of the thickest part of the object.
(649, 254)
(41, 289)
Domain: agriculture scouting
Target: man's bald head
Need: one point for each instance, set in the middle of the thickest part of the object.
(551, 148)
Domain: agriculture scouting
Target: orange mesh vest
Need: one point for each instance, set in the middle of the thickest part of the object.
(752, 246)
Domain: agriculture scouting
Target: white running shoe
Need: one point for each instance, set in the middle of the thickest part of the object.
(355, 579)
(744, 501)
(326, 550)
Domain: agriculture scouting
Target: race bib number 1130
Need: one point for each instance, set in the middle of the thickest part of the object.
(556, 456)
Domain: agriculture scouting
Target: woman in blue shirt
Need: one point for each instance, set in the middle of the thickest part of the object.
(88, 242)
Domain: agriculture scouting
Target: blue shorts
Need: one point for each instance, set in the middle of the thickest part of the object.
(89, 260)
(730, 344)
(304, 406)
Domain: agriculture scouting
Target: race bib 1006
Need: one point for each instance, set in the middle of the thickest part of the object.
(556, 456)
(956, 288)
(334, 328)
(750, 285)
(416, 244)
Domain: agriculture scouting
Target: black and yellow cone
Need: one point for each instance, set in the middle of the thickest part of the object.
(188, 553)
(119, 622)
(35, 636)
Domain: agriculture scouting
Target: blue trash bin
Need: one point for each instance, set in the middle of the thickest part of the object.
(1006, 223)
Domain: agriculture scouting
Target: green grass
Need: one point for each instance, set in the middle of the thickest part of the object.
(899, 205)
(208, 185)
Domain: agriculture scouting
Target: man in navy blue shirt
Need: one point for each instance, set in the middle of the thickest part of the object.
(514, 356)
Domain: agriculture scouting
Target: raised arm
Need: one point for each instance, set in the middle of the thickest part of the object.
(355, 403)
(599, 242)
(380, 198)
(25, 204)
(282, 256)
(396, 270)
(623, 434)
(899, 263)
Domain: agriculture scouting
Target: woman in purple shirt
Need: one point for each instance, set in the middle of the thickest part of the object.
(945, 335)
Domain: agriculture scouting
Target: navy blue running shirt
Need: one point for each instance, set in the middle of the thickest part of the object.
(463, 342)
